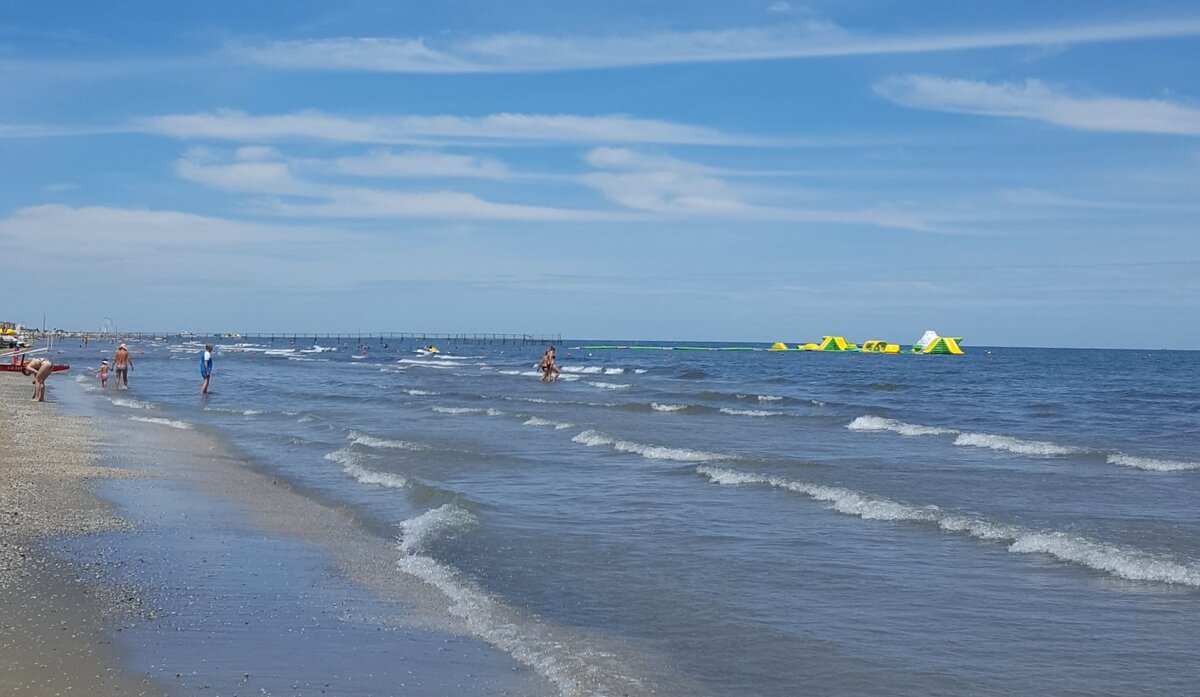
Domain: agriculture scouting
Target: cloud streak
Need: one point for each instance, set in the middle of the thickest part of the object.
(315, 125)
(517, 52)
(1035, 100)
(284, 194)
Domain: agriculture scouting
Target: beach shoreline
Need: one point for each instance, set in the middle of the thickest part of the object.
(190, 571)
(59, 615)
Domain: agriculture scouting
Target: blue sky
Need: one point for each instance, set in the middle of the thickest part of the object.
(1016, 173)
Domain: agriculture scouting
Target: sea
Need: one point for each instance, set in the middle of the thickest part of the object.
(1012, 521)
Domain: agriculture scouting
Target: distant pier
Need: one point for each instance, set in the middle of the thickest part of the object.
(356, 338)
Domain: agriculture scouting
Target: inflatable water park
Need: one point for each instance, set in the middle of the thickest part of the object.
(930, 343)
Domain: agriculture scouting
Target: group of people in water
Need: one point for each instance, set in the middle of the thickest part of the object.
(41, 368)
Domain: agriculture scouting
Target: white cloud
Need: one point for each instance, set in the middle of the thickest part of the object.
(534, 53)
(415, 163)
(440, 205)
(258, 177)
(1033, 99)
(314, 125)
(659, 184)
(781, 7)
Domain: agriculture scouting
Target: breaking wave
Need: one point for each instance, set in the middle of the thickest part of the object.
(558, 425)
(573, 668)
(162, 422)
(1151, 463)
(878, 423)
(667, 407)
(1015, 445)
(1131, 564)
(593, 438)
(351, 464)
(750, 412)
(608, 385)
(130, 403)
(359, 438)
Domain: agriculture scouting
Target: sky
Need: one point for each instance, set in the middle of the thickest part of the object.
(1019, 173)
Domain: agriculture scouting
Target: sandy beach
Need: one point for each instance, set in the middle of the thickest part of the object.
(58, 616)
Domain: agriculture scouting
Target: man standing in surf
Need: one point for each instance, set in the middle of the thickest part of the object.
(206, 367)
(122, 361)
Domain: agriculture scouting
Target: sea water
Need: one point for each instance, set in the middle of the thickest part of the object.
(1012, 521)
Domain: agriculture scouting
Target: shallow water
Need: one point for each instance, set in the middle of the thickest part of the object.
(1010, 521)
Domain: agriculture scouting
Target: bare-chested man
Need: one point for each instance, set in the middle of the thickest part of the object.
(121, 364)
(40, 369)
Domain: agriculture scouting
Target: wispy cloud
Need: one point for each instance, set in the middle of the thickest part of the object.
(666, 186)
(109, 232)
(315, 125)
(1033, 99)
(536, 53)
(417, 163)
(278, 187)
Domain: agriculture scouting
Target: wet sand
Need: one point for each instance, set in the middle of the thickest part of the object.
(182, 569)
(57, 617)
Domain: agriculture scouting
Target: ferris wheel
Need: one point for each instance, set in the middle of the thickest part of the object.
(106, 326)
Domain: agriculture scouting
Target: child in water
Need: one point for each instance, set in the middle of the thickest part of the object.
(103, 373)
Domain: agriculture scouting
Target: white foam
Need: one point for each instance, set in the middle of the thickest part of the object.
(608, 385)
(532, 642)
(667, 407)
(243, 412)
(352, 466)
(416, 533)
(639, 371)
(614, 371)
(658, 452)
(373, 442)
(585, 369)
(421, 393)
(592, 438)
(768, 398)
(468, 410)
(426, 364)
(1151, 463)
(750, 412)
(558, 425)
(878, 423)
(162, 422)
(1015, 445)
(1135, 565)
(130, 403)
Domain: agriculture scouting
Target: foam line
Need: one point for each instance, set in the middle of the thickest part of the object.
(162, 422)
(352, 465)
(562, 660)
(593, 438)
(1151, 463)
(372, 442)
(1131, 564)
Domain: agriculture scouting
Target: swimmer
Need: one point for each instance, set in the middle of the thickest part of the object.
(40, 369)
(104, 373)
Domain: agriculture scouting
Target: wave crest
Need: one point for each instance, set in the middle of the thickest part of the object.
(1131, 564)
